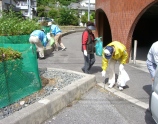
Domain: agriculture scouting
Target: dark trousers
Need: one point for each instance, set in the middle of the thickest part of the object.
(89, 60)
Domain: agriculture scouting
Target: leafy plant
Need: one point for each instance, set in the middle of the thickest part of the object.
(62, 2)
(12, 23)
(41, 11)
(53, 13)
(84, 18)
(9, 54)
(67, 17)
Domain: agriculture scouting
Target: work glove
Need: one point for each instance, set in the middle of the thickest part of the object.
(121, 67)
(85, 52)
(103, 73)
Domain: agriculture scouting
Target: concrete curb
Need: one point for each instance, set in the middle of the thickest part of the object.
(45, 108)
(73, 31)
(124, 96)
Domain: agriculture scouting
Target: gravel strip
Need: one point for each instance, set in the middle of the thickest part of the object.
(59, 80)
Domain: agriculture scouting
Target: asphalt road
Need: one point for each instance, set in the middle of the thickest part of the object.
(100, 106)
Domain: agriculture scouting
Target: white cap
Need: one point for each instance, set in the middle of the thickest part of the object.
(107, 52)
(49, 23)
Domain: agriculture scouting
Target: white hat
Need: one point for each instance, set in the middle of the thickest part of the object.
(108, 51)
(49, 23)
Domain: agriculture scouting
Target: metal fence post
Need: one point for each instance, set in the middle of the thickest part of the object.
(135, 51)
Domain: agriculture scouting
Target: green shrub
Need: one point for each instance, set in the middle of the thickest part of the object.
(9, 54)
(12, 23)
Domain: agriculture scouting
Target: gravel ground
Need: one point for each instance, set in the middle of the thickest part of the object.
(57, 80)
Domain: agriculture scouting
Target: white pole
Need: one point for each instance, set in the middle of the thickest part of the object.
(88, 10)
(135, 51)
(29, 9)
(0, 7)
(130, 58)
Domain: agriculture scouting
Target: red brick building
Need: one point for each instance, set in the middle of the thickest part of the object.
(126, 21)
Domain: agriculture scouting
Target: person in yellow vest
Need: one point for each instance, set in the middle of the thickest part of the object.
(113, 52)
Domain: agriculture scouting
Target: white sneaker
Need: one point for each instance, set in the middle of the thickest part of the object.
(111, 85)
(63, 49)
(41, 54)
(120, 88)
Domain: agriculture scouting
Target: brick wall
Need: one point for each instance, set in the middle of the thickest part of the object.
(122, 15)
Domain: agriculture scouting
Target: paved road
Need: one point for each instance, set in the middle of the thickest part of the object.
(99, 105)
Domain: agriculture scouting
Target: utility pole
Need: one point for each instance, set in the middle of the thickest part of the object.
(29, 8)
(88, 10)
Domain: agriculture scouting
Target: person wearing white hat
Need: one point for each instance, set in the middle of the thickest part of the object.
(56, 31)
(39, 38)
(113, 52)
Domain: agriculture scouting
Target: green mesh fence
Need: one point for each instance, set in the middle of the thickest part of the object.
(19, 78)
(46, 29)
(19, 39)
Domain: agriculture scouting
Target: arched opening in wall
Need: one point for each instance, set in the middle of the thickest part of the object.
(103, 27)
(146, 32)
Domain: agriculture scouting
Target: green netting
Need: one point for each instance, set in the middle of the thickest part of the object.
(20, 77)
(19, 39)
(46, 29)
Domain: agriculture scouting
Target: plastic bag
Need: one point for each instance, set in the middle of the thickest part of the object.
(51, 41)
(123, 78)
(98, 46)
(48, 36)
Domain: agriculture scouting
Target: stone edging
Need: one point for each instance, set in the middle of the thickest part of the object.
(124, 96)
(72, 31)
(45, 108)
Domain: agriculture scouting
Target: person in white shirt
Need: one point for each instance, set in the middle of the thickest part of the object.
(152, 59)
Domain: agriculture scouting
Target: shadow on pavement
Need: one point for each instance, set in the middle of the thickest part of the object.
(95, 69)
(147, 89)
(148, 118)
(50, 55)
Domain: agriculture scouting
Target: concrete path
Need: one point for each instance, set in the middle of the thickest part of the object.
(136, 93)
(138, 88)
(99, 105)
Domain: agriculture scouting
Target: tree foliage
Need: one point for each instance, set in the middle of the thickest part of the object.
(53, 13)
(84, 18)
(62, 2)
(61, 14)
(67, 17)
(41, 11)
(9, 25)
